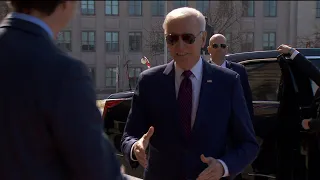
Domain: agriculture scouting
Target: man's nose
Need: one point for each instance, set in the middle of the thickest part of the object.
(180, 43)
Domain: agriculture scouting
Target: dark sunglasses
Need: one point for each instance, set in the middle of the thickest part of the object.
(215, 46)
(187, 38)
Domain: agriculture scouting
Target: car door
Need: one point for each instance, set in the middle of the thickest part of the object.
(264, 79)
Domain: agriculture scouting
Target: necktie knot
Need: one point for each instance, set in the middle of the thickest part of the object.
(187, 73)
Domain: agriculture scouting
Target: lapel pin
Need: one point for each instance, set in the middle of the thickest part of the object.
(209, 81)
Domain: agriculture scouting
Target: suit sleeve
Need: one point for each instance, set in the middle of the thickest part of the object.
(244, 145)
(137, 123)
(77, 129)
(247, 91)
(307, 67)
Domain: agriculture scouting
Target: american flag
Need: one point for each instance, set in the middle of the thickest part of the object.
(145, 60)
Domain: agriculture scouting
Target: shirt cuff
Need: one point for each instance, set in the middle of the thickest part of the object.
(294, 54)
(225, 167)
(131, 152)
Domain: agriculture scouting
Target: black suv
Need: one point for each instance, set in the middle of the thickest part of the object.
(265, 74)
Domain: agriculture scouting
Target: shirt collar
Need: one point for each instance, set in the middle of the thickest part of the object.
(224, 64)
(33, 20)
(196, 69)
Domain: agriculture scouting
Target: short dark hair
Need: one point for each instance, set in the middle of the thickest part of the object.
(45, 7)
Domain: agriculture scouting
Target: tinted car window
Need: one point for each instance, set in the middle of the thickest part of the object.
(316, 62)
(264, 80)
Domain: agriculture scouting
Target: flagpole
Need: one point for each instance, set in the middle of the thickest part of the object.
(165, 56)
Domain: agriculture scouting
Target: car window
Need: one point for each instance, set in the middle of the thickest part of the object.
(316, 62)
(264, 80)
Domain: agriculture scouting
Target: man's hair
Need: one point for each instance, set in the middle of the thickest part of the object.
(185, 12)
(45, 7)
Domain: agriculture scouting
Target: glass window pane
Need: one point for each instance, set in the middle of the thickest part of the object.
(115, 37)
(108, 72)
(84, 36)
(108, 3)
(91, 2)
(272, 37)
(108, 36)
(265, 37)
(67, 36)
(91, 36)
(115, 2)
(115, 10)
(108, 10)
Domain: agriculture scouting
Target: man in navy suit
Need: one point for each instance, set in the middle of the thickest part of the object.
(176, 115)
(50, 126)
(218, 49)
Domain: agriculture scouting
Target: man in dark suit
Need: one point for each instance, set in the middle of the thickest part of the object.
(50, 127)
(186, 125)
(218, 49)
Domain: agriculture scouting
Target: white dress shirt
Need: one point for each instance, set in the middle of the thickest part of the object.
(196, 79)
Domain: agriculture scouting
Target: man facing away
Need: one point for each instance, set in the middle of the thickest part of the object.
(50, 127)
(218, 50)
(185, 125)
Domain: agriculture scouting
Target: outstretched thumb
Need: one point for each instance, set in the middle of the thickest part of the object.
(205, 159)
(149, 134)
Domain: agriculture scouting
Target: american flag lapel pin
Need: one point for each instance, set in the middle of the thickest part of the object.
(209, 81)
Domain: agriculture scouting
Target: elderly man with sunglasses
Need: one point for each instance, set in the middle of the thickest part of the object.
(218, 49)
(176, 117)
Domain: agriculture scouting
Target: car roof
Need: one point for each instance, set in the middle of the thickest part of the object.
(238, 57)
(125, 94)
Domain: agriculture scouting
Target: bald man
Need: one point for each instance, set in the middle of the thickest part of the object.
(218, 49)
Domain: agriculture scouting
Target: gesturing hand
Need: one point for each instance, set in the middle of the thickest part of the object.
(214, 171)
(285, 49)
(140, 147)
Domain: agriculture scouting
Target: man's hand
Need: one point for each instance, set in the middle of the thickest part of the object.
(214, 171)
(284, 49)
(305, 124)
(139, 148)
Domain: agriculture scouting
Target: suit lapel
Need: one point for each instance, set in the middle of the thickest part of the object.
(206, 89)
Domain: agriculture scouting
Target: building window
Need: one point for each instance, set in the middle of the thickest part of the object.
(92, 73)
(64, 40)
(318, 9)
(270, 8)
(157, 8)
(88, 41)
(111, 77)
(135, 41)
(203, 6)
(269, 41)
(87, 7)
(135, 8)
(247, 40)
(112, 41)
(112, 7)
(178, 4)
(133, 76)
(248, 8)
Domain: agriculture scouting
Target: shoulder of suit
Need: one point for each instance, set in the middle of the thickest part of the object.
(223, 71)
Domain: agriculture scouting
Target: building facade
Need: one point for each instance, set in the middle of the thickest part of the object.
(112, 36)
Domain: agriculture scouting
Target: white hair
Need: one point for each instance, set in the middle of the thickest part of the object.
(185, 12)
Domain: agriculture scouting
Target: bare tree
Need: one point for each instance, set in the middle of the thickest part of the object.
(154, 41)
(225, 18)
(310, 41)
(4, 9)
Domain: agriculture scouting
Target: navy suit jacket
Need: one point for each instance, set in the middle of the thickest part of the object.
(50, 127)
(220, 115)
(241, 70)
